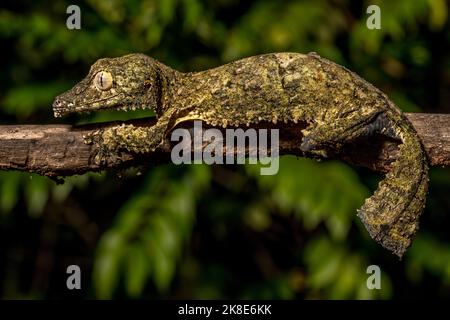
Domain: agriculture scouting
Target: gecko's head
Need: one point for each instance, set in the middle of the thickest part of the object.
(124, 83)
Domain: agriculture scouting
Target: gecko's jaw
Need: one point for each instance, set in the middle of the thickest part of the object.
(63, 106)
(60, 107)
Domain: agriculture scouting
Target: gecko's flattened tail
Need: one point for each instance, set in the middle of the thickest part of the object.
(391, 215)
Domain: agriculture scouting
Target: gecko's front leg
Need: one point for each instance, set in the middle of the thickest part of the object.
(126, 137)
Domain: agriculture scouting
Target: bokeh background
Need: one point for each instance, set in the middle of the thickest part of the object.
(215, 231)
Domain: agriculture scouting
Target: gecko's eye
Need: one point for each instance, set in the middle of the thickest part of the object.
(103, 80)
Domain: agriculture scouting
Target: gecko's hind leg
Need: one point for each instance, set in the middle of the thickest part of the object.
(318, 138)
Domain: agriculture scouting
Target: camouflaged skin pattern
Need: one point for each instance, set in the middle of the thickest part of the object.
(338, 106)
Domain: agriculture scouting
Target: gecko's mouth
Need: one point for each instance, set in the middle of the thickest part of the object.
(62, 107)
(100, 111)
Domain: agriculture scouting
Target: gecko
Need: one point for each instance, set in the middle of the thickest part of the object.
(337, 105)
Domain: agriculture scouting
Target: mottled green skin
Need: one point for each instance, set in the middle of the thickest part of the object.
(337, 105)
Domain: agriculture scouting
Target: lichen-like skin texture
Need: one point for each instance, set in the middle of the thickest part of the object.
(338, 106)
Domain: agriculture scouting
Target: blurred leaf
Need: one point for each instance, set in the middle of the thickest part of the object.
(23, 101)
(106, 268)
(60, 192)
(137, 270)
(155, 223)
(9, 190)
(167, 10)
(428, 254)
(334, 202)
(324, 262)
(164, 268)
(438, 14)
(36, 193)
(342, 275)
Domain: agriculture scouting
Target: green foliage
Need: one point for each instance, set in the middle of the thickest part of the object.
(150, 233)
(28, 98)
(9, 191)
(429, 255)
(329, 194)
(317, 193)
(35, 190)
(340, 273)
(277, 26)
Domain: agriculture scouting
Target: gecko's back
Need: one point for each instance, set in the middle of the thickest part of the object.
(274, 87)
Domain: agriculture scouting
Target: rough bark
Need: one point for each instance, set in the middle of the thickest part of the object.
(59, 150)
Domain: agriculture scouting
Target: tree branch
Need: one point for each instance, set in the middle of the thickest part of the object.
(59, 150)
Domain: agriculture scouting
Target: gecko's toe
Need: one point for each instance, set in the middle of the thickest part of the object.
(308, 144)
(93, 137)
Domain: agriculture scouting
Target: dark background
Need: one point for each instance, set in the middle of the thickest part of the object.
(215, 231)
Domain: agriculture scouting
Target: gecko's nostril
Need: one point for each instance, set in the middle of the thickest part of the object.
(307, 144)
(58, 104)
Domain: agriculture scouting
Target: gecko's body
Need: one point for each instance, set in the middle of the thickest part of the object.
(337, 105)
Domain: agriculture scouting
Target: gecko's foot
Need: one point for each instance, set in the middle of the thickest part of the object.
(313, 147)
(105, 152)
(308, 144)
(92, 138)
